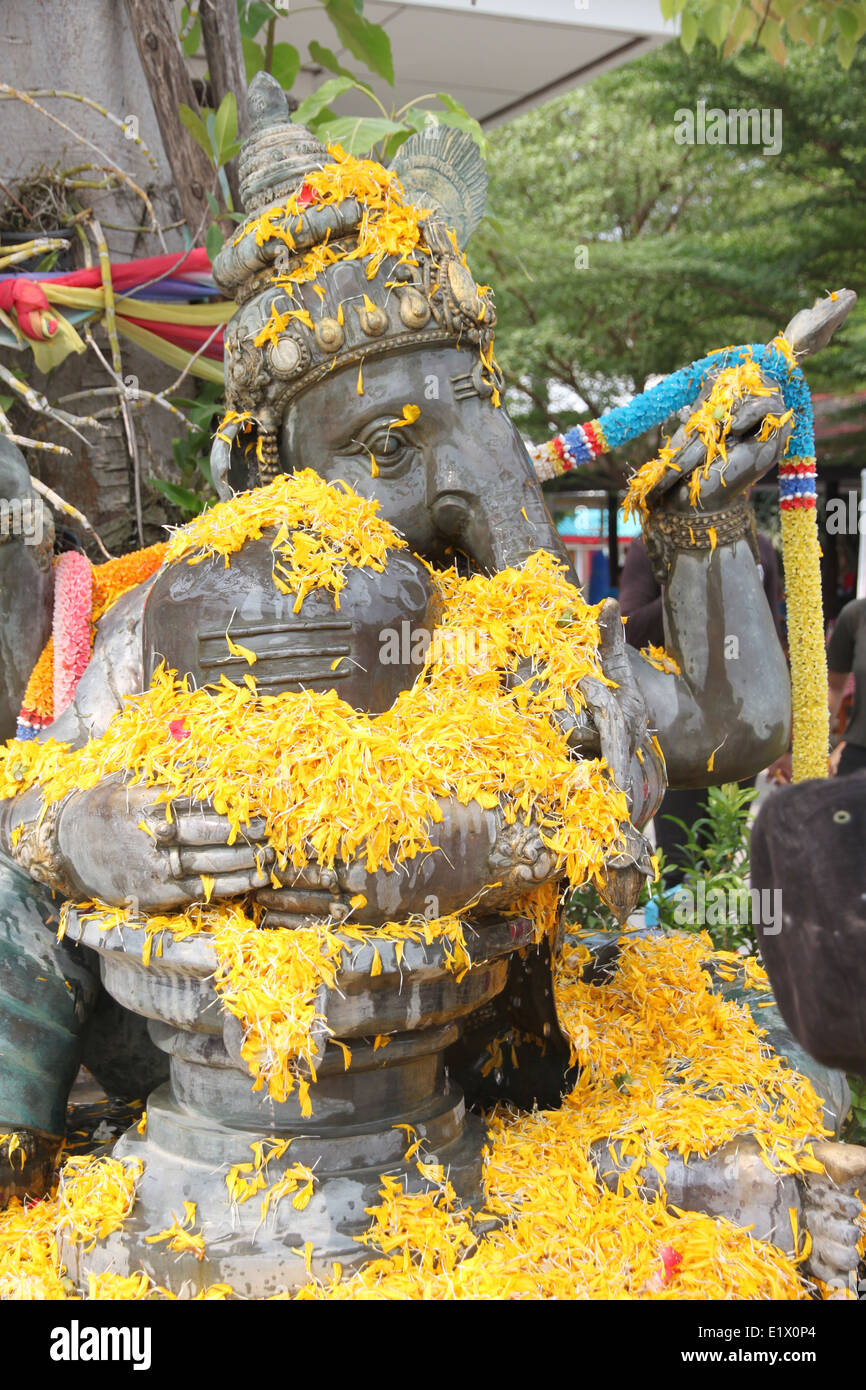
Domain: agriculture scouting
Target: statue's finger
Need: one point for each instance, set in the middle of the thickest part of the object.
(747, 461)
(294, 900)
(163, 831)
(748, 413)
(207, 827)
(288, 909)
(611, 634)
(224, 886)
(310, 875)
(689, 456)
(292, 921)
(221, 859)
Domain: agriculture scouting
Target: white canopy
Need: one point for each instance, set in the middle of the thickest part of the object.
(497, 57)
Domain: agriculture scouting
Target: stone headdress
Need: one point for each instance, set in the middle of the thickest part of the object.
(340, 260)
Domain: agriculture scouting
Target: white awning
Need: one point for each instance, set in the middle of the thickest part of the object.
(497, 57)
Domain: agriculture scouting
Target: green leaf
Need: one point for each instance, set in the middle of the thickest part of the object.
(464, 121)
(327, 58)
(285, 65)
(365, 41)
(417, 117)
(203, 464)
(689, 32)
(845, 50)
(771, 39)
(192, 122)
(467, 123)
(744, 24)
(253, 17)
(213, 204)
(225, 126)
(847, 23)
(182, 497)
(358, 134)
(254, 58)
(190, 43)
(213, 242)
(716, 24)
(316, 102)
(798, 29)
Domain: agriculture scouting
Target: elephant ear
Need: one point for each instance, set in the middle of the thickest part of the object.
(441, 168)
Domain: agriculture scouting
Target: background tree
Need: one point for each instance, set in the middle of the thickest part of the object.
(771, 24)
(617, 253)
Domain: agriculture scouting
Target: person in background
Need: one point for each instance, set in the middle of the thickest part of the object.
(846, 654)
(640, 601)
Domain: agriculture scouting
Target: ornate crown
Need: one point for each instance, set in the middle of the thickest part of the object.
(342, 259)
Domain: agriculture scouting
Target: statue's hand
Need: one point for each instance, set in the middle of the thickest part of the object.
(748, 456)
(117, 845)
(309, 895)
(475, 857)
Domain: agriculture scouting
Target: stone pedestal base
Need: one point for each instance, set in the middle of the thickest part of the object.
(395, 1028)
(186, 1158)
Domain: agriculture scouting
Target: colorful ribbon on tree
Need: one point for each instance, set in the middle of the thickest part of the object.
(168, 305)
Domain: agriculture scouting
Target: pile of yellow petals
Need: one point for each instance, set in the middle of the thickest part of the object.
(271, 981)
(337, 784)
(667, 1065)
(389, 226)
(180, 1236)
(96, 1196)
(321, 528)
(245, 1180)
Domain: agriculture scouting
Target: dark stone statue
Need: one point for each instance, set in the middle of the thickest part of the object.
(459, 480)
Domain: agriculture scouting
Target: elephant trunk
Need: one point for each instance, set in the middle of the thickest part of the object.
(492, 508)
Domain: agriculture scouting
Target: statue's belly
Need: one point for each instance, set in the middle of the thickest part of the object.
(350, 649)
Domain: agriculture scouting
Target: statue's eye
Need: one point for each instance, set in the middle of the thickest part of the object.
(392, 448)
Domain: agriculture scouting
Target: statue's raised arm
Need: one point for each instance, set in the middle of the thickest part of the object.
(726, 714)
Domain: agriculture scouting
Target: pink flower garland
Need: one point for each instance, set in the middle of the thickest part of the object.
(73, 591)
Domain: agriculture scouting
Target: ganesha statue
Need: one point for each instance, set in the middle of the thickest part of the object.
(274, 750)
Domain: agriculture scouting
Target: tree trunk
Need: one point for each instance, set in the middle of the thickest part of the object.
(152, 24)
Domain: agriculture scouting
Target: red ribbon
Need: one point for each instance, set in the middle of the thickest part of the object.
(27, 299)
